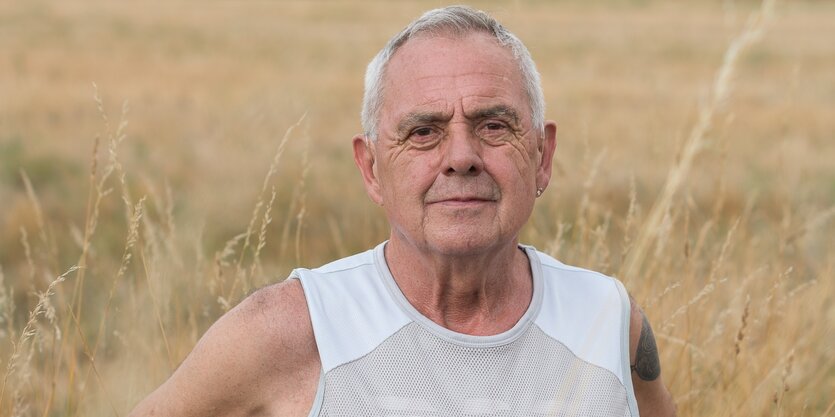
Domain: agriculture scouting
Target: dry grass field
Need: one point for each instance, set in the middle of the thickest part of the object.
(212, 156)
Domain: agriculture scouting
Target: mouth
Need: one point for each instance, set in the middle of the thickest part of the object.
(473, 192)
(461, 201)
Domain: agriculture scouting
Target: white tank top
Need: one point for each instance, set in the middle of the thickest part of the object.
(567, 356)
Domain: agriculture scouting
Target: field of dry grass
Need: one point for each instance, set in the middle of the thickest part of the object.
(212, 156)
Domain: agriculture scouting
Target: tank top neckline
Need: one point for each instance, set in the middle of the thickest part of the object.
(464, 339)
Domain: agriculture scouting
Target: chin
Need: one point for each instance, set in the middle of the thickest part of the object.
(459, 241)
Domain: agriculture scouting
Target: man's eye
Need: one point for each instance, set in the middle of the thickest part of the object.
(425, 135)
(422, 131)
(493, 131)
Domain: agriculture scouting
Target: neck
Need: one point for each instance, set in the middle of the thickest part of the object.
(478, 294)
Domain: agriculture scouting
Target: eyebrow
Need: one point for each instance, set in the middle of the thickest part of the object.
(499, 110)
(419, 118)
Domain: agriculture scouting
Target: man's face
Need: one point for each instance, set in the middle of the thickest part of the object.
(456, 163)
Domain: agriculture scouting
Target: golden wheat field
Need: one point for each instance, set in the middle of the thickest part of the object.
(159, 161)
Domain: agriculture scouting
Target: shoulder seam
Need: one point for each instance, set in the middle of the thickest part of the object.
(345, 268)
(568, 268)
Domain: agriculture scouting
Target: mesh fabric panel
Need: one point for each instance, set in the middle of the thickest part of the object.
(415, 373)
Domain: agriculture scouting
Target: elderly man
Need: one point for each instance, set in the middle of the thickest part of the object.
(451, 316)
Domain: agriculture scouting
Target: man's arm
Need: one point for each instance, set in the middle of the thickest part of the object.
(653, 397)
(260, 358)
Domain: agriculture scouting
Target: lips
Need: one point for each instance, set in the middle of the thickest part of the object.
(480, 191)
(460, 199)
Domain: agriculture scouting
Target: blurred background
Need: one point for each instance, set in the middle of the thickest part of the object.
(184, 153)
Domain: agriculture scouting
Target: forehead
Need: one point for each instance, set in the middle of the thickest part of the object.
(446, 72)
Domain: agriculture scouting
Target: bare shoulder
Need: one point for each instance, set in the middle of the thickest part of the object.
(279, 313)
(652, 395)
(260, 357)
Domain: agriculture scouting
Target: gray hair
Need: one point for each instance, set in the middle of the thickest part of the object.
(459, 20)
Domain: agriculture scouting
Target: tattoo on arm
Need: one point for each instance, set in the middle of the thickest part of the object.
(647, 365)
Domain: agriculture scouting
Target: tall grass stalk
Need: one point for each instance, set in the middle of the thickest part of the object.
(29, 330)
(240, 275)
(696, 140)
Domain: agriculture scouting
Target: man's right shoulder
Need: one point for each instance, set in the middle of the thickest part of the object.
(277, 315)
(259, 357)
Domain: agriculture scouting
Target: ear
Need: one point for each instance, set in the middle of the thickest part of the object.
(366, 159)
(546, 154)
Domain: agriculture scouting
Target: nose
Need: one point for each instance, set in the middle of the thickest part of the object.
(463, 152)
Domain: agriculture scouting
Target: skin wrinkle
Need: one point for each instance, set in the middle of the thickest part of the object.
(521, 61)
(452, 302)
(461, 82)
(497, 111)
(443, 179)
(416, 119)
(465, 318)
(522, 149)
(484, 188)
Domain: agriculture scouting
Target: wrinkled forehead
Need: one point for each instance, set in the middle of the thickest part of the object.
(444, 68)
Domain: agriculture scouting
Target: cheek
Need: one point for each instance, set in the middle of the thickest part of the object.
(510, 164)
(411, 176)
